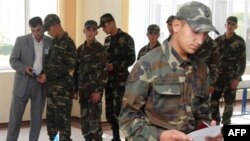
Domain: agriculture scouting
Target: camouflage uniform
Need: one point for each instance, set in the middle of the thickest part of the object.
(146, 49)
(159, 79)
(91, 76)
(60, 87)
(153, 33)
(166, 92)
(121, 54)
(233, 63)
(209, 53)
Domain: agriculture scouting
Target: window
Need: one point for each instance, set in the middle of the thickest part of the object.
(14, 22)
(157, 12)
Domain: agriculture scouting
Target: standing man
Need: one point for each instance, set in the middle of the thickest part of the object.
(121, 55)
(170, 29)
(153, 34)
(59, 76)
(166, 93)
(28, 59)
(209, 53)
(233, 62)
(91, 78)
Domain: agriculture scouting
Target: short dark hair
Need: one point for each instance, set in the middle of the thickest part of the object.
(35, 21)
(170, 19)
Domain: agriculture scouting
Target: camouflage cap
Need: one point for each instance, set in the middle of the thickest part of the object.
(232, 19)
(105, 18)
(90, 23)
(153, 28)
(49, 20)
(197, 15)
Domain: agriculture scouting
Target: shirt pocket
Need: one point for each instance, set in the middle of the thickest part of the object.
(169, 86)
(167, 94)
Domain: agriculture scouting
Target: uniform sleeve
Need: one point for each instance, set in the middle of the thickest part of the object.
(76, 71)
(62, 61)
(132, 120)
(201, 102)
(101, 71)
(214, 64)
(241, 61)
(15, 56)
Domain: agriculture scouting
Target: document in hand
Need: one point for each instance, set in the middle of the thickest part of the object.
(200, 135)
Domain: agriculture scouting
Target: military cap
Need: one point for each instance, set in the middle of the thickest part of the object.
(153, 28)
(90, 23)
(197, 15)
(170, 18)
(232, 19)
(49, 20)
(105, 18)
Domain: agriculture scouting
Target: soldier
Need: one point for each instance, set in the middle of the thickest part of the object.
(166, 93)
(170, 29)
(121, 55)
(209, 53)
(153, 34)
(59, 76)
(91, 78)
(233, 62)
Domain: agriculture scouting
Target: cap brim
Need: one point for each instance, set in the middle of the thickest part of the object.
(204, 28)
(91, 26)
(229, 21)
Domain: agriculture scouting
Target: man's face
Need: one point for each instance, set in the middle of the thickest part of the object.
(231, 27)
(107, 27)
(90, 33)
(52, 31)
(38, 32)
(188, 40)
(153, 37)
(170, 29)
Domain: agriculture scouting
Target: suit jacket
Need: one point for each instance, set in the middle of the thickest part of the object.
(23, 55)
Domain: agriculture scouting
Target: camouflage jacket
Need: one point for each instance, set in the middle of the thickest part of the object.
(164, 92)
(146, 49)
(61, 62)
(121, 53)
(90, 74)
(232, 56)
(209, 53)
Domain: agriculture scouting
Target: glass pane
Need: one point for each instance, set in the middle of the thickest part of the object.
(12, 24)
(42, 7)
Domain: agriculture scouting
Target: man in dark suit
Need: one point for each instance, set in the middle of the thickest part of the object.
(28, 59)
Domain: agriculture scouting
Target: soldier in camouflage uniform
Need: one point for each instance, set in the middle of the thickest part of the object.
(59, 76)
(121, 55)
(232, 49)
(209, 53)
(170, 29)
(153, 34)
(91, 78)
(166, 93)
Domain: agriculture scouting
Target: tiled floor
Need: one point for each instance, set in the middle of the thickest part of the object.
(107, 136)
(75, 131)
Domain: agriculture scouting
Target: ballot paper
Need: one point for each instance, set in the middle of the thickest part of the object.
(200, 135)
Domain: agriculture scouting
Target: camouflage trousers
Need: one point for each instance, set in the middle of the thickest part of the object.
(59, 107)
(223, 90)
(113, 99)
(91, 119)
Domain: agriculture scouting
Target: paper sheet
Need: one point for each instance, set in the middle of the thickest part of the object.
(201, 134)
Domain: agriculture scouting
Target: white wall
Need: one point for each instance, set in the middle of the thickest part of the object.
(6, 85)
